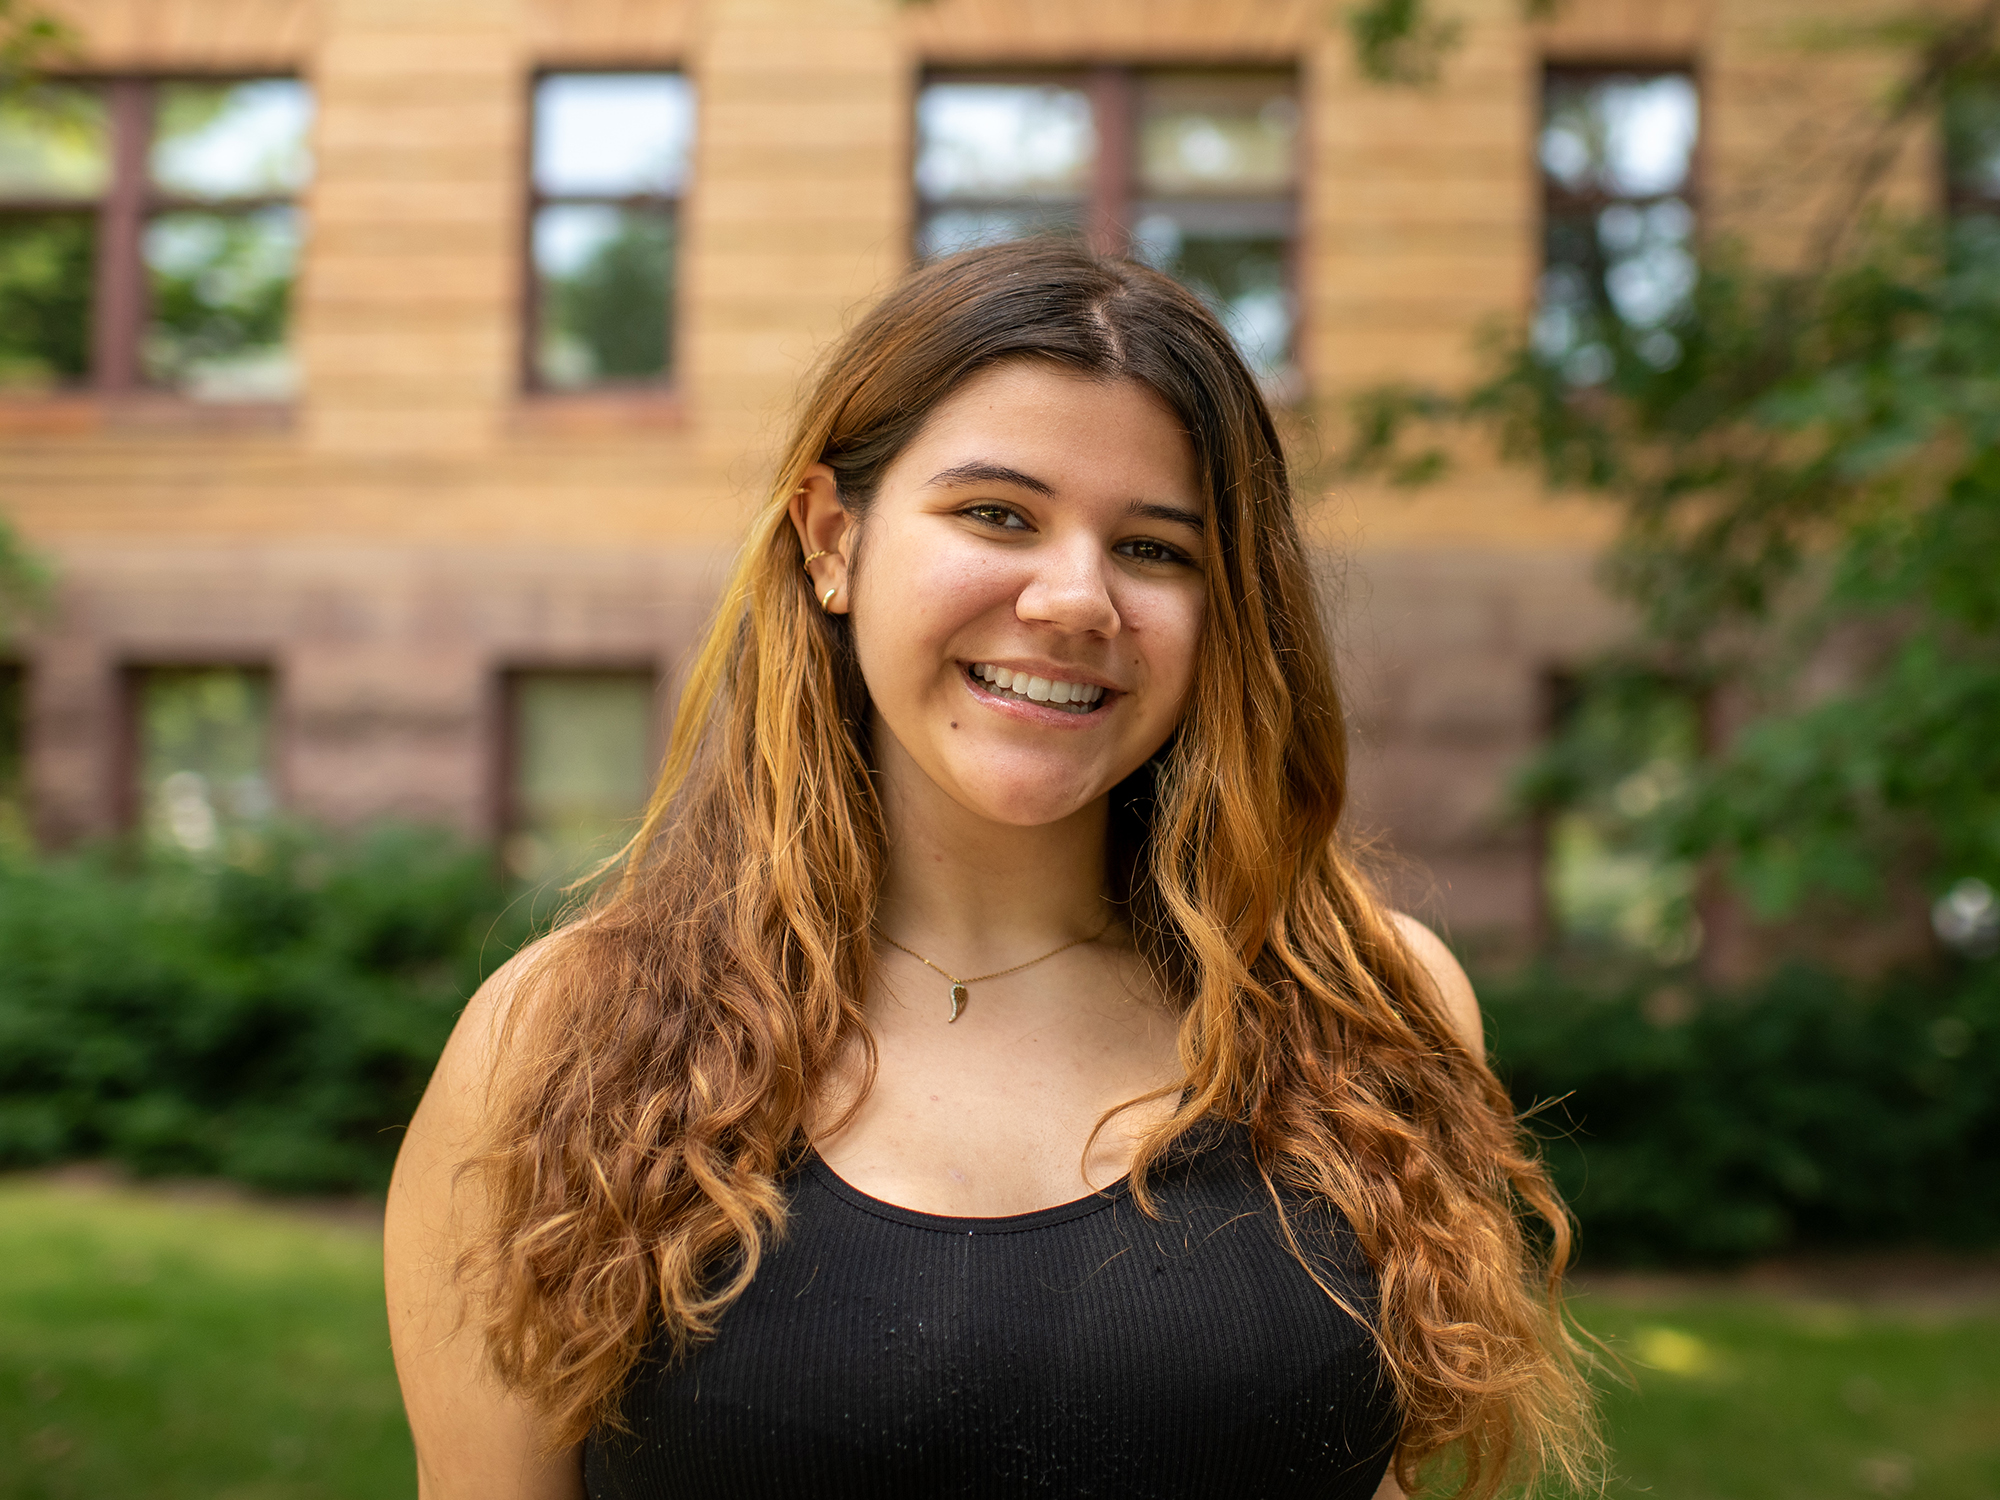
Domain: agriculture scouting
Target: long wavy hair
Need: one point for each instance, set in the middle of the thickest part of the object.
(663, 1051)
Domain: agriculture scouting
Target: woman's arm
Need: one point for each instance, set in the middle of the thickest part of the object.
(475, 1440)
(1454, 989)
(1462, 1008)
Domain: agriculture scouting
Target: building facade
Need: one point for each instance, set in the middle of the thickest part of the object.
(436, 351)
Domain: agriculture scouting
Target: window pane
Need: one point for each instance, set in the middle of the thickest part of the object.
(232, 140)
(46, 267)
(1004, 140)
(613, 134)
(1238, 267)
(13, 744)
(582, 767)
(602, 276)
(204, 755)
(1217, 133)
(52, 144)
(1629, 755)
(947, 231)
(1628, 136)
(1972, 143)
(221, 289)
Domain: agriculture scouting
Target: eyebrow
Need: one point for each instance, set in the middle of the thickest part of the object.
(1173, 515)
(979, 472)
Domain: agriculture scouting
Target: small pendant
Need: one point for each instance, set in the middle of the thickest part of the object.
(958, 997)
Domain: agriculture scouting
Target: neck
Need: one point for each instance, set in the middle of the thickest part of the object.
(963, 890)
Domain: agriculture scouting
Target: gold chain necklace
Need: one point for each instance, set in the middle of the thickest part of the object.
(959, 993)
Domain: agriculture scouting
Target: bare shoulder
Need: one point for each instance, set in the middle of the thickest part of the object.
(475, 1440)
(1453, 988)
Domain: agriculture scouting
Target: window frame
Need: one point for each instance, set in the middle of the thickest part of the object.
(120, 301)
(504, 801)
(129, 765)
(1115, 191)
(16, 781)
(1552, 198)
(667, 386)
(1960, 203)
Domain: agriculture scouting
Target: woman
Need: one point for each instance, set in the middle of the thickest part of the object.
(989, 1076)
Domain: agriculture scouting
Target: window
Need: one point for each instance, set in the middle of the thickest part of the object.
(149, 235)
(1618, 158)
(1622, 745)
(1194, 173)
(203, 755)
(579, 763)
(611, 157)
(1972, 146)
(13, 758)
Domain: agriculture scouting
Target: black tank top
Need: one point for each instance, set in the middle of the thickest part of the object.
(1084, 1350)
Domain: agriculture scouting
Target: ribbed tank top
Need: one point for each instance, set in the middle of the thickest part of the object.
(1083, 1350)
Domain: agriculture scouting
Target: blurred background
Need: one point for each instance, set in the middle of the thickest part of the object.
(383, 387)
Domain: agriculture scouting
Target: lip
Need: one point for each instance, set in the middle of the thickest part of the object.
(1029, 711)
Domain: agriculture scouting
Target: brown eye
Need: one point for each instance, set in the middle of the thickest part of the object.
(996, 515)
(1145, 549)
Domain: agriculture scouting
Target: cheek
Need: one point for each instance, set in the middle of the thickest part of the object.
(911, 600)
(1168, 626)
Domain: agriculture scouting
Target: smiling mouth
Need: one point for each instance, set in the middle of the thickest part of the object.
(1050, 692)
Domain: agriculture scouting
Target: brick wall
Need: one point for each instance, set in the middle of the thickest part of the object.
(414, 524)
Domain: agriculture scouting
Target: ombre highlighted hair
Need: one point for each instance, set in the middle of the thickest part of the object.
(663, 1051)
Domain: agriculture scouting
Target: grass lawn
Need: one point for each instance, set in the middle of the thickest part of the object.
(154, 1349)
(1743, 1396)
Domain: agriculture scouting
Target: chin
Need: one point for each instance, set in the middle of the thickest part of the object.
(1030, 797)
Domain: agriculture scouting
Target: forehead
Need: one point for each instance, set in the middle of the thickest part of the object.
(1084, 438)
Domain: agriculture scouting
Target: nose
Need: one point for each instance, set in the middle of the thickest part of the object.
(1069, 589)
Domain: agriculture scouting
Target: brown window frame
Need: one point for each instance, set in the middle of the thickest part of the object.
(667, 383)
(1556, 200)
(120, 301)
(1962, 202)
(1109, 203)
(504, 799)
(129, 792)
(14, 730)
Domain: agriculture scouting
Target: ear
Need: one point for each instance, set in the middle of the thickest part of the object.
(824, 526)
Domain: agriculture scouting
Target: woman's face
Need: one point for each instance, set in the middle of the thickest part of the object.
(1029, 595)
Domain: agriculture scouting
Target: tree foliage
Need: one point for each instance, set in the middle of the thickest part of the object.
(1805, 466)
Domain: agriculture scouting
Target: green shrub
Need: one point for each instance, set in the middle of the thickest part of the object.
(272, 1024)
(1807, 1111)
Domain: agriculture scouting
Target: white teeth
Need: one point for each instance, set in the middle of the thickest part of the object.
(1038, 689)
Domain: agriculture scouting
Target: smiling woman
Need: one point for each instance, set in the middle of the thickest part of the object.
(990, 1075)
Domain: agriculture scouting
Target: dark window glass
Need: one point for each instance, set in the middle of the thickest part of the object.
(1001, 161)
(1972, 145)
(1217, 157)
(53, 166)
(13, 758)
(1626, 751)
(611, 159)
(204, 755)
(221, 248)
(1617, 154)
(1193, 172)
(580, 763)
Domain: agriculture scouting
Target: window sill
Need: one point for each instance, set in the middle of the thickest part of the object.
(66, 413)
(594, 413)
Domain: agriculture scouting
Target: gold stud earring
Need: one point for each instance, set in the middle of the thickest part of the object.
(815, 557)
